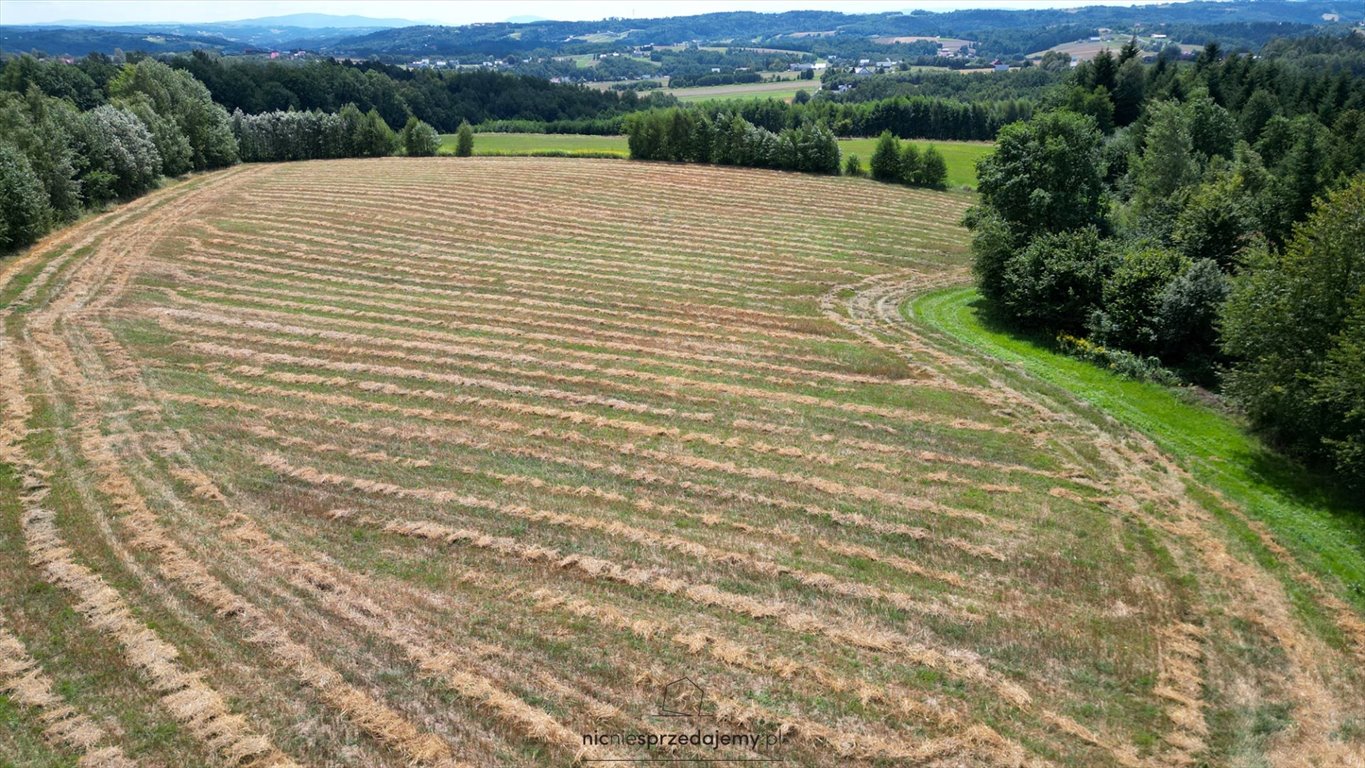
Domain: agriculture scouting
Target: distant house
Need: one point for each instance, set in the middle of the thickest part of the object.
(1000, 66)
(887, 64)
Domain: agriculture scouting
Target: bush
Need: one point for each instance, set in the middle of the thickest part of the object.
(23, 203)
(853, 166)
(933, 169)
(1187, 313)
(1131, 297)
(886, 158)
(1116, 360)
(464, 140)
(419, 139)
(1056, 280)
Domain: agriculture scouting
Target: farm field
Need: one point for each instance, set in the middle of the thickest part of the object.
(961, 156)
(771, 89)
(527, 143)
(325, 464)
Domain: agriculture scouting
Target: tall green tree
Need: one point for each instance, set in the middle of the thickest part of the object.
(464, 140)
(119, 157)
(886, 158)
(933, 169)
(23, 203)
(1295, 327)
(40, 127)
(911, 167)
(1166, 166)
(177, 95)
(1045, 174)
(375, 138)
(418, 138)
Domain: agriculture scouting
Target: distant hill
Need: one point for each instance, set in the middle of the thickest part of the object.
(80, 41)
(999, 32)
(300, 30)
(1002, 31)
(316, 21)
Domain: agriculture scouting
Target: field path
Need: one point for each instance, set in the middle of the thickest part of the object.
(466, 461)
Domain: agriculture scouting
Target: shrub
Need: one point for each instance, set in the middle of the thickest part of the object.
(1056, 280)
(1131, 297)
(464, 140)
(886, 158)
(419, 139)
(853, 166)
(1116, 360)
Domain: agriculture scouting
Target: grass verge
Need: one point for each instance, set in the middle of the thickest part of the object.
(1322, 528)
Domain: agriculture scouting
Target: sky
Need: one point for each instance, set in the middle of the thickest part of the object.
(466, 11)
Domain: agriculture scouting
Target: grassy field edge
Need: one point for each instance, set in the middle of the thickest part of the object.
(1322, 531)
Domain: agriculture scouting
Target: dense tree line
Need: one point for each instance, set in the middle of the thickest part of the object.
(915, 117)
(725, 138)
(145, 121)
(443, 99)
(280, 136)
(1200, 217)
(56, 160)
(713, 78)
(1027, 84)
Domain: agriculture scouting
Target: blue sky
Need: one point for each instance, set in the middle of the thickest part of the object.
(464, 11)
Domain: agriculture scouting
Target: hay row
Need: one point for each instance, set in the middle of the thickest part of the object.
(687, 461)
(442, 436)
(25, 682)
(958, 663)
(702, 553)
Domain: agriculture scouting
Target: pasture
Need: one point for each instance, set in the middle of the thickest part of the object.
(961, 156)
(493, 461)
(498, 144)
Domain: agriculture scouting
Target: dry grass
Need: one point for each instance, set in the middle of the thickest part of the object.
(453, 462)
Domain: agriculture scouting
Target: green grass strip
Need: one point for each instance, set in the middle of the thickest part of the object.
(1324, 530)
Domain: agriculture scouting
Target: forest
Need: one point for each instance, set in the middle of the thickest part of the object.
(1173, 221)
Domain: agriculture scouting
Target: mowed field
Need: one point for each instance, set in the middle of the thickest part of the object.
(784, 89)
(452, 462)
